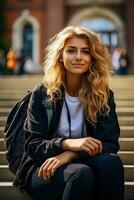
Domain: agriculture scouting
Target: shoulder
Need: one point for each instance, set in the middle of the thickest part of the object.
(110, 95)
(38, 93)
(39, 90)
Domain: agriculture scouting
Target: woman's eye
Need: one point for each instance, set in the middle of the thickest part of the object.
(70, 50)
(86, 52)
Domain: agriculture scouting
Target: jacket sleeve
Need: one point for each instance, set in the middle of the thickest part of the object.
(37, 144)
(108, 130)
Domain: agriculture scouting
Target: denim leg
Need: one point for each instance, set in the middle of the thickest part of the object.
(70, 182)
(109, 176)
(79, 182)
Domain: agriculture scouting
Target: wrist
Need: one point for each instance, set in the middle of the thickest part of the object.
(71, 155)
(75, 155)
(64, 145)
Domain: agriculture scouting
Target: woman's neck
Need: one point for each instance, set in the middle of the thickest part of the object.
(73, 84)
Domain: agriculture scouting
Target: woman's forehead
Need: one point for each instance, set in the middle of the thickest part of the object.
(77, 40)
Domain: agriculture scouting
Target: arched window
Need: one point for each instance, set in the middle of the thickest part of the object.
(105, 28)
(27, 40)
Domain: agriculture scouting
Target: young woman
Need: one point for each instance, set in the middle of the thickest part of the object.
(75, 156)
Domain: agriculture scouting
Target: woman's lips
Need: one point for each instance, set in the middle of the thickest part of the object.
(77, 64)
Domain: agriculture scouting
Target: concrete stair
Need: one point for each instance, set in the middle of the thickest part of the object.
(13, 88)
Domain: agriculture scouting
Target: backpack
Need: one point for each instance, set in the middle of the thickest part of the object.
(14, 133)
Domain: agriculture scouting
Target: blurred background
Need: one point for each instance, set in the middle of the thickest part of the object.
(26, 26)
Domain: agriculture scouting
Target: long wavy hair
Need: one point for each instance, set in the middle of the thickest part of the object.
(94, 89)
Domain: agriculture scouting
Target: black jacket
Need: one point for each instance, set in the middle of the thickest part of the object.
(42, 141)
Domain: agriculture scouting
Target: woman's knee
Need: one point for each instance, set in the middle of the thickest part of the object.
(84, 172)
(80, 172)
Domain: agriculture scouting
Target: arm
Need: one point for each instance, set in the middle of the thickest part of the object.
(89, 145)
(37, 145)
(49, 167)
(108, 130)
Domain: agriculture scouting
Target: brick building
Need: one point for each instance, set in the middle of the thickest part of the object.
(31, 23)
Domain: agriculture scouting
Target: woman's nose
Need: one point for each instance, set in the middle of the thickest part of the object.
(78, 55)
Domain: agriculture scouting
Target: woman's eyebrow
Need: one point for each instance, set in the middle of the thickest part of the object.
(74, 47)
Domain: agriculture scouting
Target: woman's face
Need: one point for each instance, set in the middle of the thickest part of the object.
(76, 55)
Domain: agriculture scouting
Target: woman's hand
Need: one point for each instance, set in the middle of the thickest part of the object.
(49, 167)
(88, 144)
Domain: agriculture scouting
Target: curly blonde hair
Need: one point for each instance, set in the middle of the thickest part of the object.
(94, 88)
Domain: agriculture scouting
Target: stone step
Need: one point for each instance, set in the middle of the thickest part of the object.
(126, 120)
(124, 91)
(121, 87)
(129, 172)
(5, 174)
(122, 81)
(10, 97)
(127, 131)
(3, 121)
(8, 81)
(7, 104)
(124, 97)
(8, 192)
(124, 103)
(126, 144)
(3, 160)
(2, 145)
(1, 132)
(129, 190)
(4, 111)
(127, 157)
(125, 111)
(13, 92)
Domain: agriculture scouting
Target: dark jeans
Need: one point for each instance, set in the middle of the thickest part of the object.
(98, 178)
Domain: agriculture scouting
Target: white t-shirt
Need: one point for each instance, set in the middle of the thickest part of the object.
(76, 113)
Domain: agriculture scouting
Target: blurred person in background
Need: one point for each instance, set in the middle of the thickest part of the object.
(21, 62)
(29, 66)
(116, 59)
(124, 62)
(11, 60)
(75, 158)
(2, 62)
